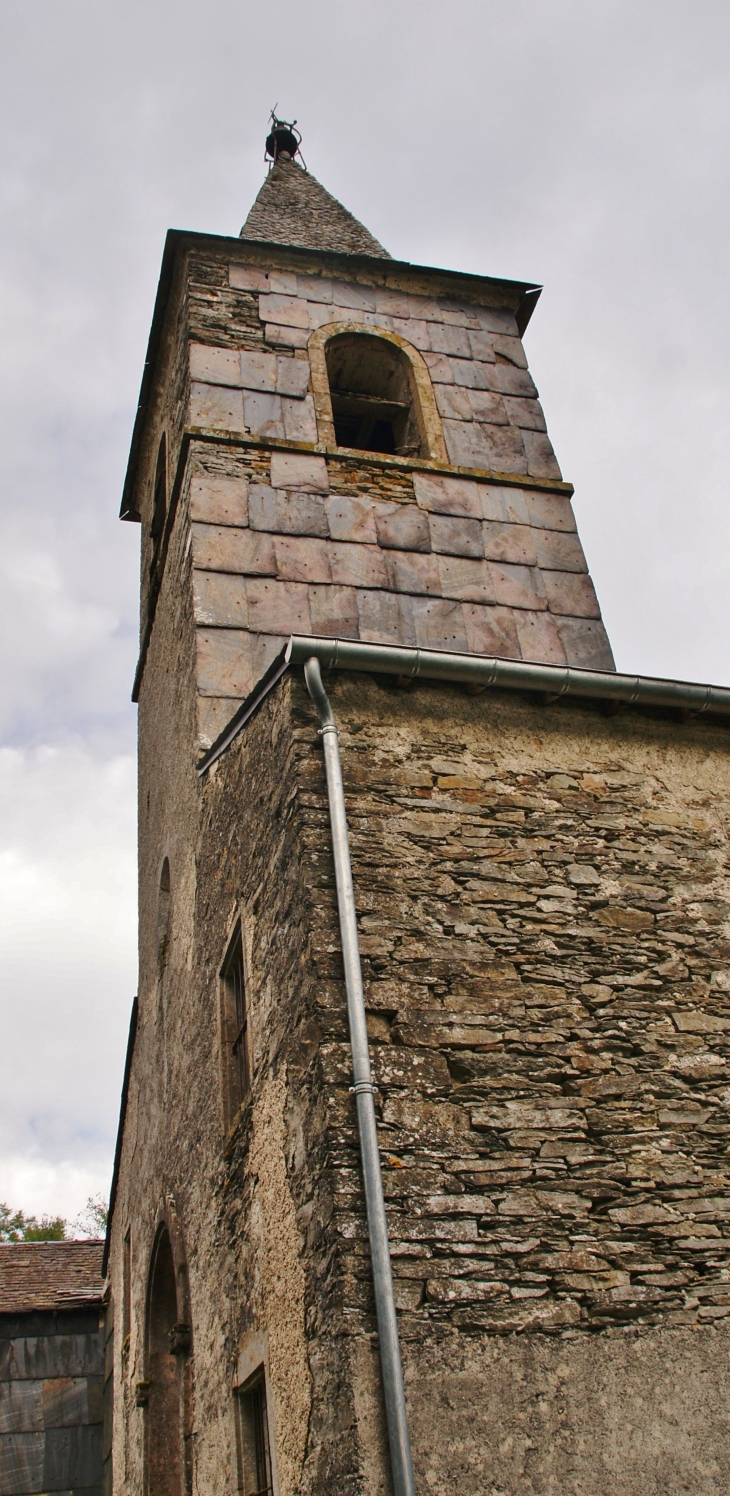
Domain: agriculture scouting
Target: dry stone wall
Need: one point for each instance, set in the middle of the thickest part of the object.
(543, 901)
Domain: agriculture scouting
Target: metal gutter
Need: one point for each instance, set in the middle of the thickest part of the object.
(363, 1089)
(552, 682)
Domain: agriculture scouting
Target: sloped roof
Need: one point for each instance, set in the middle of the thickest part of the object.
(49, 1275)
(294, 208)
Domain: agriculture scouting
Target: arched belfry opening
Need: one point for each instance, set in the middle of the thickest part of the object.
(167, 1348)
(374, 397)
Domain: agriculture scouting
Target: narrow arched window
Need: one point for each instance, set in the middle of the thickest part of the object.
(159, 500)
(164, 1371)
(163, 914)
(374, 398)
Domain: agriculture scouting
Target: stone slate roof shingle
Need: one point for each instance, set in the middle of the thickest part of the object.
(294, 208)
(49, 1275)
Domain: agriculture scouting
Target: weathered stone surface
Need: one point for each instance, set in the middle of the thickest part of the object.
(409, 571)
(386, 618)
(333, 611)
(505, 542)
(258, 371)
(223, 662)
(357, 565)
(302, 560)
(295, 513)
(439, 624)
(314, 287)
(263, 414)
(539, 638)
(248, 278)
(292, 377)
(217, 408)
(491, 631)
(526, 413)
(541, 460)
(219, 501)
(550, 511)
(220, 600)
(277, 608)
(482, 347)
(286, 337)
(402, 527)
(586, 643)
(351, 518)
(225, 548)
(559, 551)
(516, 586)
(291, 311)
(570, 593)
(486, 406)
(214, 365)
(466, 579)
(297, 470)
(442, 495)
(456, 537)
(300, 422)
(452, 401)
(454, 340)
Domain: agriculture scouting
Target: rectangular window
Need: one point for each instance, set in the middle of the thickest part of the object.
(234, 1027)
(254, 1449)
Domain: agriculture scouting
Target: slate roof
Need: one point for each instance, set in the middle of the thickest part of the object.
(294, 208)
(49, 1275)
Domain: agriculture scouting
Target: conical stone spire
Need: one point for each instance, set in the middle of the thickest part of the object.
(294, 208)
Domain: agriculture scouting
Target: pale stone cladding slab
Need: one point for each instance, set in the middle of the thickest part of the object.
(543, 901)
(509, 572)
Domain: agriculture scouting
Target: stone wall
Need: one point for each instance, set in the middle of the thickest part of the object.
(542, 895)
(288, 543)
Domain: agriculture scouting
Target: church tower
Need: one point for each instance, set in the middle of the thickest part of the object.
(421, 1179)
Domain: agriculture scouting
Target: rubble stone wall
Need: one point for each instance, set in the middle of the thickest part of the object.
(543, 901)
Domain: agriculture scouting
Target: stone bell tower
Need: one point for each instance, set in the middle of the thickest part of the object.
(341, 458)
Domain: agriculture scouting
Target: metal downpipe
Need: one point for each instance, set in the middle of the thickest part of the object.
(390, 1360)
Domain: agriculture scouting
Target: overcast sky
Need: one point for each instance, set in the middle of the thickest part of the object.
(579, 143)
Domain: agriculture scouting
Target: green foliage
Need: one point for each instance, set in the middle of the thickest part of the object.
(16, 1226)
(93, 1218)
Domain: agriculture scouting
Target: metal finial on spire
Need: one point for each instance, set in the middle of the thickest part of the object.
(283, 140)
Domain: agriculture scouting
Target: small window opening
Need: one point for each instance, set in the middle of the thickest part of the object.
(163, 915)
(126, 1291)
(253, 1437)
(164, 1390)
(373, 399)
(235, 1024)
(159, 500)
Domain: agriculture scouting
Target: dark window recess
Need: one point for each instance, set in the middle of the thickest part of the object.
(253, 1438)
(373, 395)
(236, 1021)
(159, 502)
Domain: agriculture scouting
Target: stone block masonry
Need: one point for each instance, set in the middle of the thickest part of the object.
(412, 558)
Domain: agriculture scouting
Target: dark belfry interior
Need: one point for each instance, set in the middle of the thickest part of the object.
(372, 395)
